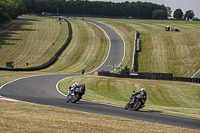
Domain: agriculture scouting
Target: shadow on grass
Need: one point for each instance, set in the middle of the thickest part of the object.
(8, 35)
(4, 39)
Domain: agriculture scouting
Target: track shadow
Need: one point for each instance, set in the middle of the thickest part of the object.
(150, 111)
(87, 102)
(94, 104)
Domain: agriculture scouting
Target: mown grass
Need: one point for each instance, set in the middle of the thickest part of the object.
(177, 98)
(48, 119)
(31, 41)
(161, 51)
(87, 50)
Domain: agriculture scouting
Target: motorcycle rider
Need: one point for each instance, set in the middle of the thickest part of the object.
(72, 88)
(142, 93)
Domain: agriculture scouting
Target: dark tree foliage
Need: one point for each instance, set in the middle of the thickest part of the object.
(189, 15)
(158, 14)
(169, 11)
(178, 14)
(84, 7)
(11, 9)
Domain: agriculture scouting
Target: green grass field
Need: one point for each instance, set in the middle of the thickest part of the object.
(31, 41)
(177, 98)
(161, 51)
(25, 117)
(88, 49)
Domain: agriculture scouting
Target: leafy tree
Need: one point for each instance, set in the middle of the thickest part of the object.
(11, 9)
(3, 11)
(178, 14)
(168, 11)
(86, 7)
(189, 15)
(158, 14)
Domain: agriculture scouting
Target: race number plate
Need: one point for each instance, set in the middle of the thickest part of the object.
(143, 100)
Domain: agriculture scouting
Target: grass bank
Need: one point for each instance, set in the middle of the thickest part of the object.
(89, 46)
(31, 41)
(87, 50)
(161, 51)
(177, 98)
(47, 119)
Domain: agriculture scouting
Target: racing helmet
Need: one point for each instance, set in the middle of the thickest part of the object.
(76, 83)
(142, 89)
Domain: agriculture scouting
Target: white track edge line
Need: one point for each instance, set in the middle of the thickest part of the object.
(21, 79)
(196, 73)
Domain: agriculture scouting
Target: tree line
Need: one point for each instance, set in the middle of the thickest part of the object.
(141, 10)
(178, 14)
(11, 9)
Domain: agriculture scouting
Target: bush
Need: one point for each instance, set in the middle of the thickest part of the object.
(158, 14)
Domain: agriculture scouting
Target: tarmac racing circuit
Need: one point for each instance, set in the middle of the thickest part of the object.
(42, 89)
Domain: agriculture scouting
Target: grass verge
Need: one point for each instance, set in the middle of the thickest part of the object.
(177, 98)
(23, 117)
(161, 51)
(47, 119)
(31, 41)
(87, 50)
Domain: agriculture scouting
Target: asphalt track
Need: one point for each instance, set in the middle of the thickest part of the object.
(42, 90)
(197, 74)
(116, 50)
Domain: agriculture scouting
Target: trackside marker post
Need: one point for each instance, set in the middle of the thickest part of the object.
(95, 73)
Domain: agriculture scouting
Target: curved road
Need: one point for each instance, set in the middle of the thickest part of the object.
(117, 48)
(42, 90)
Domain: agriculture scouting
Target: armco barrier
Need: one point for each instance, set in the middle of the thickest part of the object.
(152, 76)
(49, 62)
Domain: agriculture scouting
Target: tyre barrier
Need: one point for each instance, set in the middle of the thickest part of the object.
(49, 62)
(152, 76)
(137, 48)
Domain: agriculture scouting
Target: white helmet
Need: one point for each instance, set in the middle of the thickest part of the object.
(142, 89)
(76, 83)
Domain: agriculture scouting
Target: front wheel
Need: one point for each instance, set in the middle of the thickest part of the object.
(137, 105)
(75, 99)
(126, 106)
(68, 98)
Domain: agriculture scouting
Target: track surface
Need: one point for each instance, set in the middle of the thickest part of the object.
(42, 90)
(117, 48)
(197, 74)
